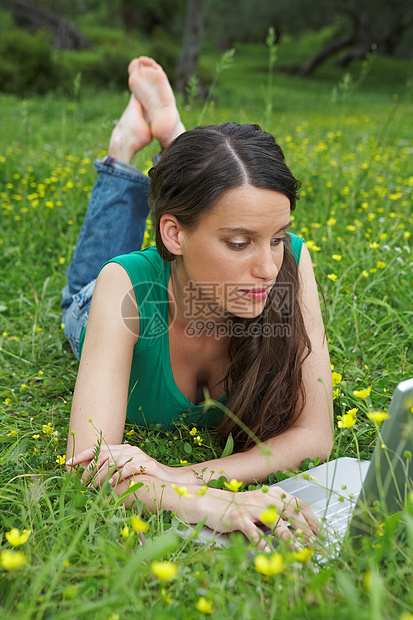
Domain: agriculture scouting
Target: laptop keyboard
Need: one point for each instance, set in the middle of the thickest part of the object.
(335, 518)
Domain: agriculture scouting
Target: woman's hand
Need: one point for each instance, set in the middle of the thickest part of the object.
(120, 462)
(247, 511)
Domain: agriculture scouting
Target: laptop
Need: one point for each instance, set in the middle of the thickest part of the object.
(344, 493)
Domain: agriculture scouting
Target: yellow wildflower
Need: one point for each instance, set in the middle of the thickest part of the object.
(336, 257)
(125, 531)
(374, 245)
(336, 393)
(337, 377)
(269, 516)
(165, 571)
(11, 560)
(310, 243)
(138, 525)
(362, 393)
(35, 436)
(15, 538)
(204, 606)
(13, 433)
(202, 490)
(234, 485)
(61, 460)
(48, 429)
(348, 419)
(272, 565)
(304, 555)
(378, 416)
(332, 276)
(365, 273)
(193, 431)
(181, 491)
(380, 264)
(367, 580)
(165, 596)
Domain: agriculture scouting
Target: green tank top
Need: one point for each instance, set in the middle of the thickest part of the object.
(153, 395)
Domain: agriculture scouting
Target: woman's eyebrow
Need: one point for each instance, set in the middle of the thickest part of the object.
(247, 231)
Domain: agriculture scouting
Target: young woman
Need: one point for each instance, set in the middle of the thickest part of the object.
(226, 305)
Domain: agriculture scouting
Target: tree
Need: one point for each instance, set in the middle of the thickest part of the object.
(191, 44)
(32, 17)
(365, 25)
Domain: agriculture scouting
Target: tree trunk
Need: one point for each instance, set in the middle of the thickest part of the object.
(358, 34)
(355, 53)
(386, 44)
(191, 45)
(31, 17)
(334, 46)
(389, 42)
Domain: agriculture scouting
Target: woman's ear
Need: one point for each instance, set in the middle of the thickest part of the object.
(172, 233)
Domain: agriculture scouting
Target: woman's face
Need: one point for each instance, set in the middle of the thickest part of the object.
(235, 253)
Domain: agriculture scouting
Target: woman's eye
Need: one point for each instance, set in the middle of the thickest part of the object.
(277, 240)
(237, 245)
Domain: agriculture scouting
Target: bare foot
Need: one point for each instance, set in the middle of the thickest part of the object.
(130, 134)
(150, 85)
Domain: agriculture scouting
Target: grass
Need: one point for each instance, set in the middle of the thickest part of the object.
(354, 158)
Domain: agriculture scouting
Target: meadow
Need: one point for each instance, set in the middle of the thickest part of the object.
(78, 552)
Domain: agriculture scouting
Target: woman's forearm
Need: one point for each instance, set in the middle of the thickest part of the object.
(278, 453)
(157, 495)
(223, 511)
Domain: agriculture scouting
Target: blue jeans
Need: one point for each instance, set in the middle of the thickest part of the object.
(114, 224)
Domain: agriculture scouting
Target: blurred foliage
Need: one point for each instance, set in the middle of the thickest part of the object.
(122, 29)
(27, 64)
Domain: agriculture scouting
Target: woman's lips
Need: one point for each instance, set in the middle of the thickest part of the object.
(257, 294)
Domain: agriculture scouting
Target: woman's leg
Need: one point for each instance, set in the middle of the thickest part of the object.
(150, 85)
(115, 219)
(118, 206)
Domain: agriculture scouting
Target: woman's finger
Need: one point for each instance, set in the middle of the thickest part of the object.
(80, 457)
(105, 451)
(122, 473)
(254, 534)
(99, 476)
(304, 518)
(99, 469)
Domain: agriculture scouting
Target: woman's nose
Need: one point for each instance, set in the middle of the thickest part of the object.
(265, 265)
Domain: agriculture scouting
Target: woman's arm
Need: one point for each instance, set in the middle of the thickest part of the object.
(225, 511)
(100, 397)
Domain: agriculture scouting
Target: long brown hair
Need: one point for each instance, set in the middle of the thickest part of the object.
(264, 378)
